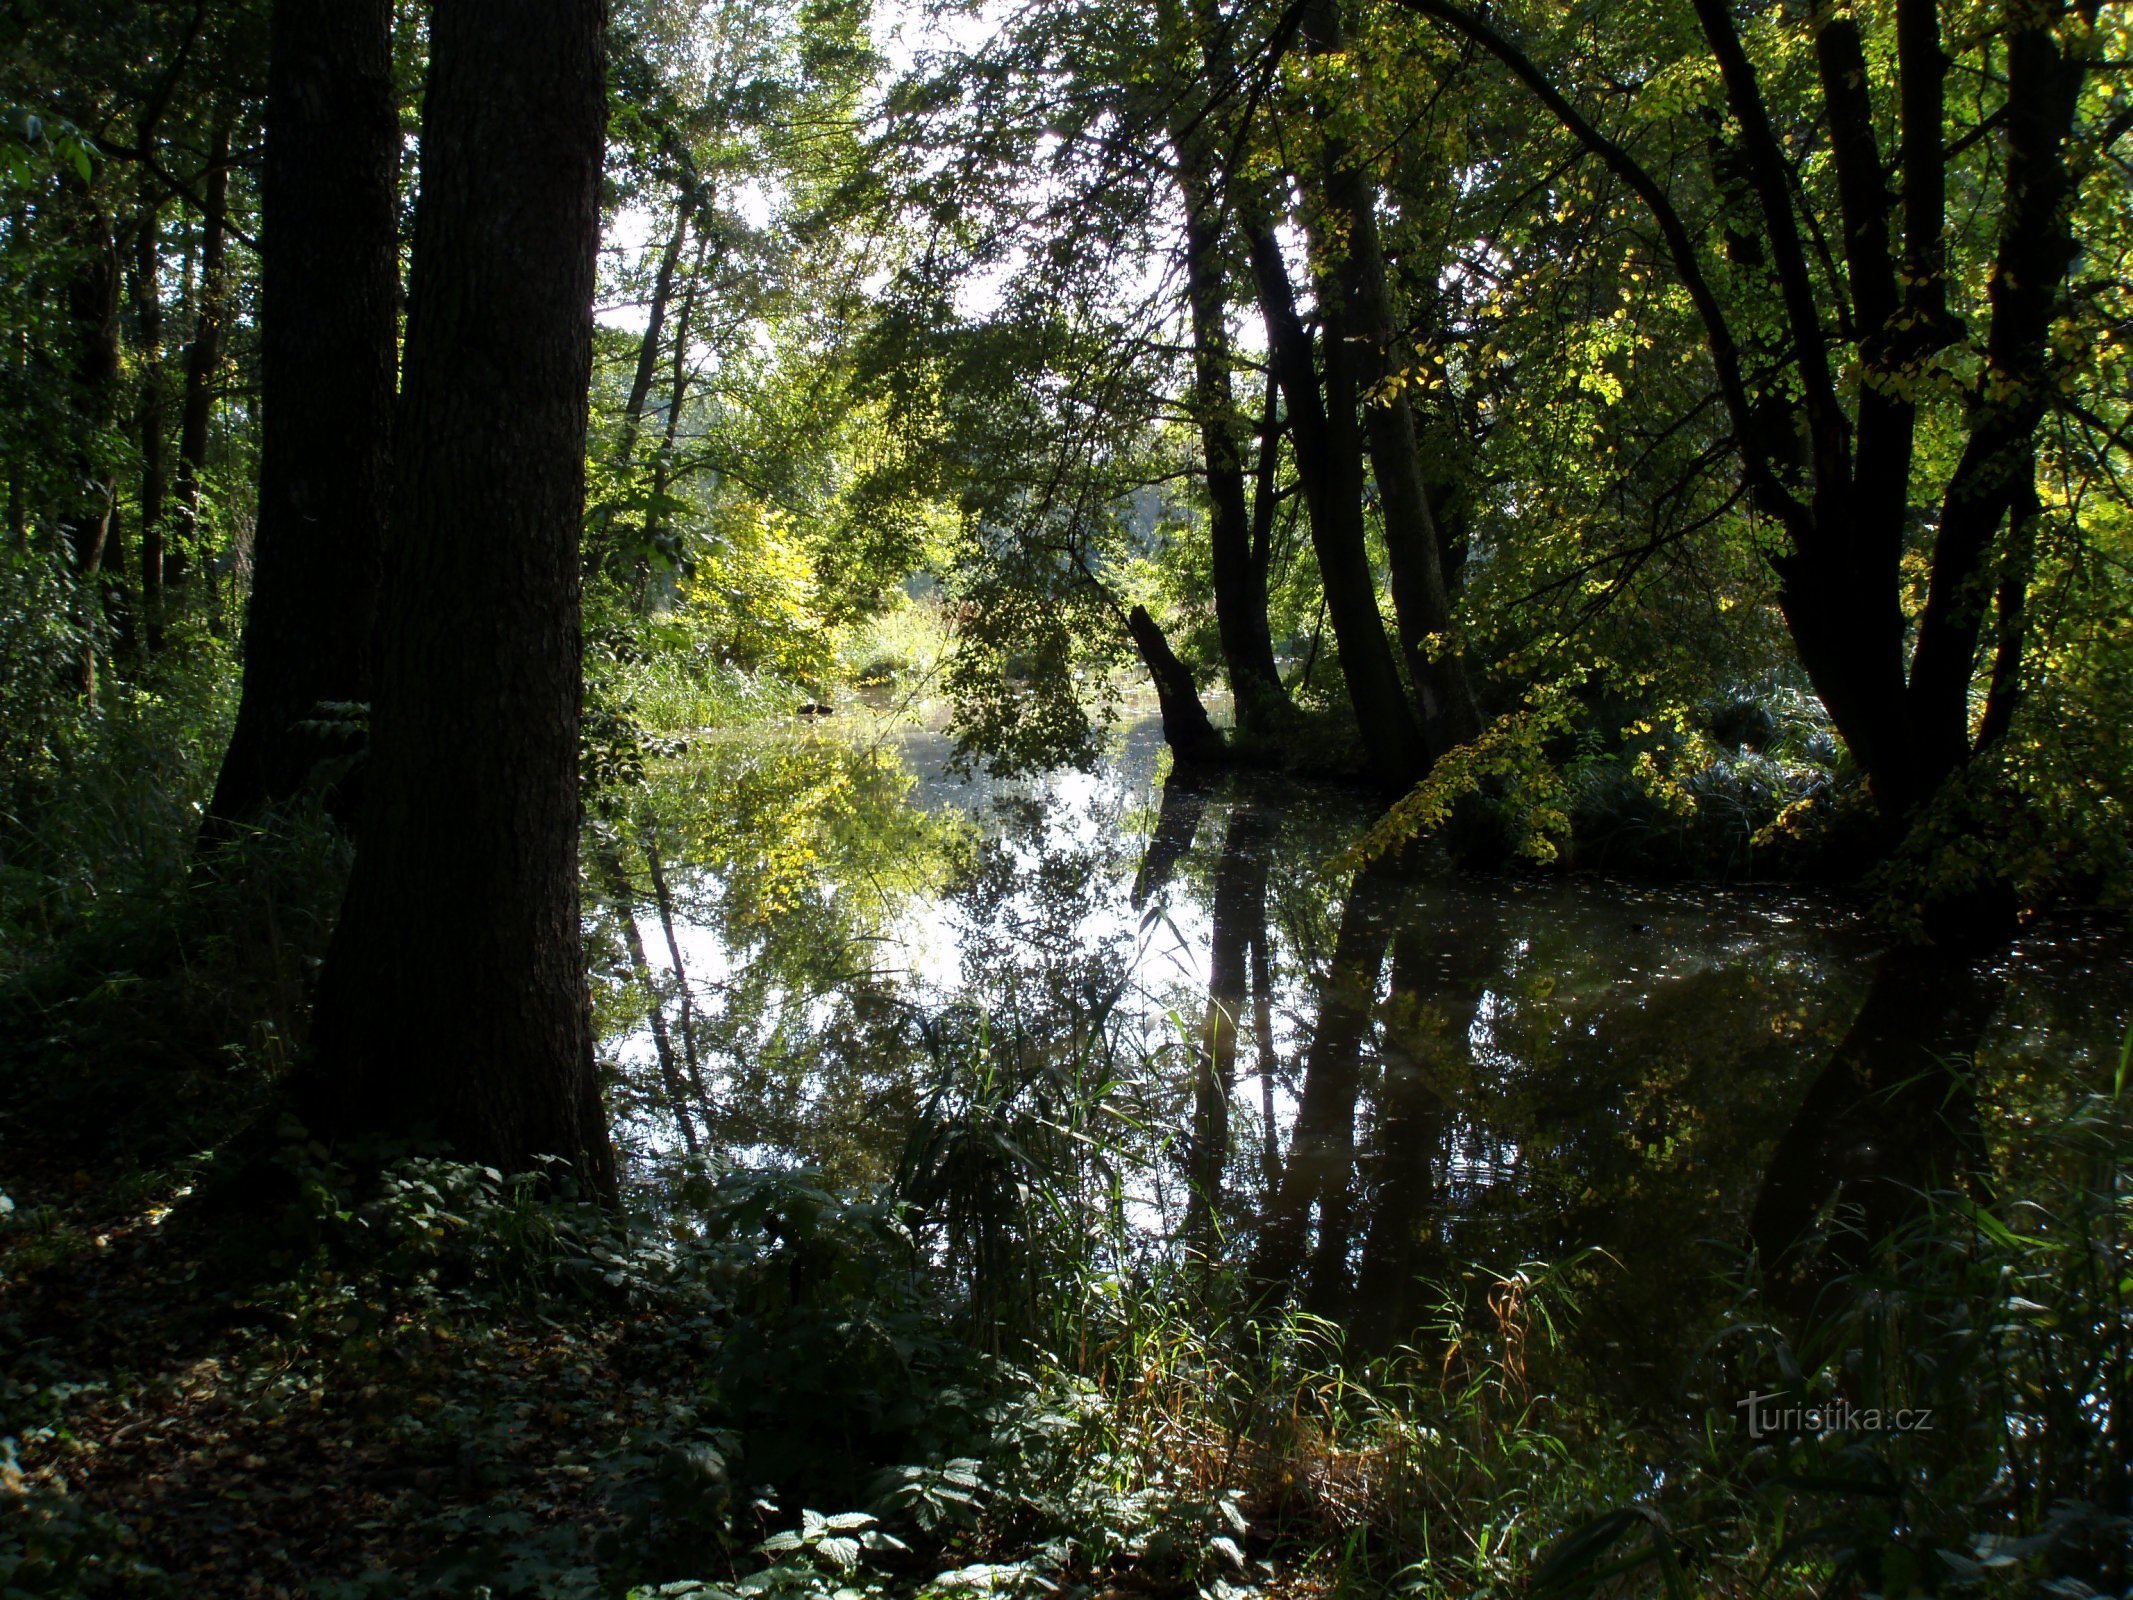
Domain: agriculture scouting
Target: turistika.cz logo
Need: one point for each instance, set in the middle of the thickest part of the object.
(1776, 1414)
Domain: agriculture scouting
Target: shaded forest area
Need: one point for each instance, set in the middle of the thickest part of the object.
(1683, 440)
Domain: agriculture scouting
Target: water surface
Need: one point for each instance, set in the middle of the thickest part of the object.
(1358, 1086)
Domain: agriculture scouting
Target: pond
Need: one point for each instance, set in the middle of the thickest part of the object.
(1357, 1085)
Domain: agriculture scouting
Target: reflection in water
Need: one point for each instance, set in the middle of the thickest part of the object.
(1363, 1088)
(684, 1100)
(1438, 980)
(1177, 824)
(1237, 914)
(1317, 1175)
(1890, 1119)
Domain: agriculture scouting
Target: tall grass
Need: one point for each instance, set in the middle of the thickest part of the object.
(1950, 1418)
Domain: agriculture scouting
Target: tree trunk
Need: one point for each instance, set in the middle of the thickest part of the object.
(655, 521)
(1840, 580)
(1186, 729)
(203, 359)
(1239, 582)
(1266, 491)
(147, 293)
(623, 459)
(2036, 248)
(329, 280)
(2011, 607)
(454, 994)
(654, 323)
(1329, 462)
(1351, 263)
(1328, 449)
(85, 521)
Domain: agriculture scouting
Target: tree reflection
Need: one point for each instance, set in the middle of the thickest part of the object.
(1177, 824)
(777, 869)
(1440, 971)
(1317, 1175)
(1890, 1118)
(1550, 1068)
(1237, 917)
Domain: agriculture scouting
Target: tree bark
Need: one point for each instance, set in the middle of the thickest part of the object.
(329, 282)
(654, 324)
(1840, 580)
(1239, 581)
(454, 992)
(1186, 729)
(1351, 261)
(623, 459)
(2036, 248)
(1329, 462)
(655, 520)
(149, 420)
(85, 520)
(203, 359)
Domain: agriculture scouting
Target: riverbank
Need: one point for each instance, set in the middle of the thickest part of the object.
(1098, 1190)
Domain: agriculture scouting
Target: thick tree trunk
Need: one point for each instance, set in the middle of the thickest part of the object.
(1840, 583)
(147, 293)
(2036, 249)
(454, 992)
(1239, 582)
(203, 360)
(1329, 462)
(1352, 263)
(329, 280)
(1186, 729)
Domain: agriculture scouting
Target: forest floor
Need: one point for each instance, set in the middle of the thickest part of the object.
(423, 1384)
(174, 1431)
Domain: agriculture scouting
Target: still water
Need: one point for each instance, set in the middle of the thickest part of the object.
(1356, 1085)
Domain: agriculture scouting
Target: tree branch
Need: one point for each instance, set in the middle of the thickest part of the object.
(1681, 246)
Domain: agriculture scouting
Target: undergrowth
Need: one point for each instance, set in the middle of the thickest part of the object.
(754, 1386)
